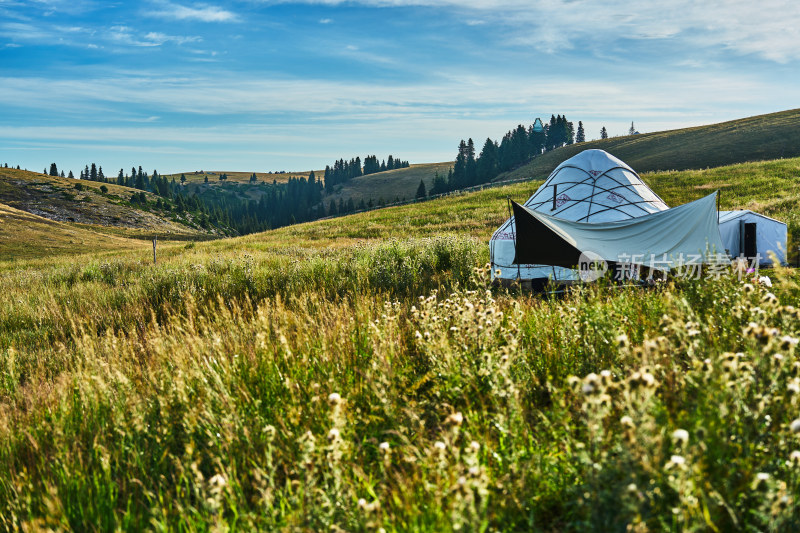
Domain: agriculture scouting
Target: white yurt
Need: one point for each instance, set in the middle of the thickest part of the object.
(749, 234)
(592, 186)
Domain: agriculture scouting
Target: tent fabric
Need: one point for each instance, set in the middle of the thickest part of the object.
(771, 235)
(592, 186)
(669, 237)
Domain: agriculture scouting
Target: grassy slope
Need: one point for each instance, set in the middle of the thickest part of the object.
(250, 382)
(389, 185)
(240, 177)
(759, 138)
(400, 183)
(25, 236)
(57, 199)
(770, 187)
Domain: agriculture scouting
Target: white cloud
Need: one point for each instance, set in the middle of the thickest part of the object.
(199, 12)
(325, 21)
(768, 28)
(126, 36)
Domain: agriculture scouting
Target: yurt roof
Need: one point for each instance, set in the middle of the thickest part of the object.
(595, 186)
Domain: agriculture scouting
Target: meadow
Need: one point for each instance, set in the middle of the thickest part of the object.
(361, 374)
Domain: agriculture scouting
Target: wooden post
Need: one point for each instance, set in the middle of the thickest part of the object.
(155, 240)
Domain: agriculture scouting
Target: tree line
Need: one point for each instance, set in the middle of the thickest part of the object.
(517, 147)
(343, 171)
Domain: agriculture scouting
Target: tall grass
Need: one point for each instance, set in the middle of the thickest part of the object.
(386, 386)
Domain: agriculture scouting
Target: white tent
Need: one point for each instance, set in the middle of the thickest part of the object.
(593, 186)
(687, 234)
(749, 234)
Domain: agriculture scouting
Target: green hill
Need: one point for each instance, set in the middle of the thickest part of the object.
(25, 236)
(391, 184)
(759, 138)
(84, 203)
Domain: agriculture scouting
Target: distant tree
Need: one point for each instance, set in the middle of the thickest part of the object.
(487, 164)
(603, 133)
(183, 179)
(93, 173)
(53, 169)
(45, 172)
(100, 175)
(70, 175)
(471, 169)
(421, 190)
(104, 189)
(632, 129)
(439, 184)
(121, 177)
(332, 211)
(62, 173)
(581, 136)
(206, 180)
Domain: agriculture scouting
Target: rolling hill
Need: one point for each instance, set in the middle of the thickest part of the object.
(26, 236)
(84, 203)
(758, 138)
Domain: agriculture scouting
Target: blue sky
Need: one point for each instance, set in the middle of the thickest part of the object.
(278, 85)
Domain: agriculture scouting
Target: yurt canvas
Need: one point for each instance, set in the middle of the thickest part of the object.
(594, 187)
(749, 234)
(662, 240)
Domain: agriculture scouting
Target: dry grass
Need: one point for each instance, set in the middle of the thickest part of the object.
(355, 374)
(58, 199)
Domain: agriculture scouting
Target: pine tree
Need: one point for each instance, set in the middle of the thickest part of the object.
(62, 173)
(487, 164)
(421, 190)
(93, 173)
(71, 175)
(603, 133)
(183, 179)
(581, 136)
(439, 184)
(632, 129)
(100, 175)
(53, 170)
(470, 174)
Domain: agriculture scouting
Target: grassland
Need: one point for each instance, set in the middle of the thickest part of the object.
(391, 184)
(26, 236)
(198, 176)
(758, 138)
(359, 373)
(83, 202)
